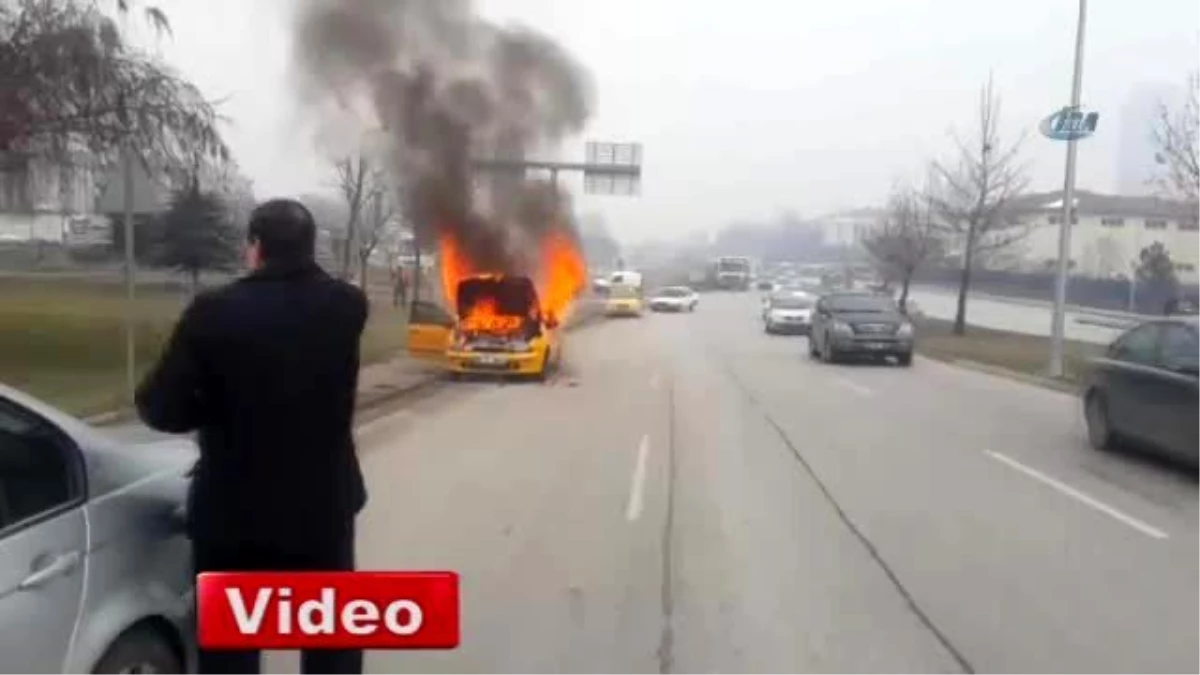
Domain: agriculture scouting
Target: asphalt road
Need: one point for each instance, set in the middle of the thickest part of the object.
(694, 495)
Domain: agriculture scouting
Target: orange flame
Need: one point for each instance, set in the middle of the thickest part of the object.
(455, 268)
(485, 317)
(562, 275)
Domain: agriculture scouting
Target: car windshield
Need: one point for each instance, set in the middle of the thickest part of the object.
(861, 304)
(792, 302)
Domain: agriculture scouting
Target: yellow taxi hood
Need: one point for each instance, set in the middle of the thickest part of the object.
(515, 295)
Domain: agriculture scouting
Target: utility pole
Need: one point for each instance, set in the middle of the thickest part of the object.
(1068, 217)
(127, 159)
(1132, 307)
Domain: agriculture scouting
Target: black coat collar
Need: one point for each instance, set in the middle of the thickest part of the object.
(286, 270)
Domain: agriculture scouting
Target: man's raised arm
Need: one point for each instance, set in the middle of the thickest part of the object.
(170, 399)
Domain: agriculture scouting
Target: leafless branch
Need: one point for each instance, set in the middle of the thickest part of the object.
(973, 192)
(351, 176)
(1175, 135)
(904, 239)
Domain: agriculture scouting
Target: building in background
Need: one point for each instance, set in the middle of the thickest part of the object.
(47, 201)
(1136, 167)
(846, 228)
(1109, 235)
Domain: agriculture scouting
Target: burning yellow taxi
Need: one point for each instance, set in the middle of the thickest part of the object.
(499, 328)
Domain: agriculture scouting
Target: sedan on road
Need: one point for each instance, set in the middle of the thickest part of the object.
(95, 570)
(788, 313)
(854, 323)
(674, 299)
(1144, 390)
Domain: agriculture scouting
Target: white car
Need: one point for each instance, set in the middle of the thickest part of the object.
(789, 313)
(674, 299)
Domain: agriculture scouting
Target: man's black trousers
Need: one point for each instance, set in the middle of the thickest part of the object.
(333, 554)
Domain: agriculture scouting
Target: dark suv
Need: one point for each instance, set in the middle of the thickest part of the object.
(859, 324)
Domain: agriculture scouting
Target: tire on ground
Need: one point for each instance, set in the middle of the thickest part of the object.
(1099, 439)
(141, 649)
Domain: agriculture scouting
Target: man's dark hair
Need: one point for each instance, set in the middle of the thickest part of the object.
(284, 229)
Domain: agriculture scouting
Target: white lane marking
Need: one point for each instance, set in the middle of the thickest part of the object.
(854, 386)
(1088, 500)
(637, 484)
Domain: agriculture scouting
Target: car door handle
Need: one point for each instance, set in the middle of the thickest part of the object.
(60, 566)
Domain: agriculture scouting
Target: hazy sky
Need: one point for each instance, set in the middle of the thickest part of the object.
(749, 107)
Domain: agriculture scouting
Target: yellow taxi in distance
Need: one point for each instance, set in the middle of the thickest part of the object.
(621, 303)
(499, 329)
(625, 295)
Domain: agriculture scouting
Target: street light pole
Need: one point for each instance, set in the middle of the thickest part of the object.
(1064, 231)
(1132, 288)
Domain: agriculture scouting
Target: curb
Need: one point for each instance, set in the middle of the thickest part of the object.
(1105, 323)
(375, 397)
(367, 400)
(1043, 381)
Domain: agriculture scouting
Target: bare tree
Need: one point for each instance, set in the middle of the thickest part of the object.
(353, 184)
(370, 200)
(973, 192)
(903, 240)
(236, 190)
(378, 218)
(1175, 133)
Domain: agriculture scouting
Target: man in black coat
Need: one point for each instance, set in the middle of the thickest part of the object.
(266, 370)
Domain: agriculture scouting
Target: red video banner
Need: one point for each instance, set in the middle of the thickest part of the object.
(328, 610)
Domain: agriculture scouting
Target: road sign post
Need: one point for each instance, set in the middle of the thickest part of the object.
(608, 168)
(1066, 125)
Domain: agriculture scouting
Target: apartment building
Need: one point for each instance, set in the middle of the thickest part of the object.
(1108, 234)
(43, 200)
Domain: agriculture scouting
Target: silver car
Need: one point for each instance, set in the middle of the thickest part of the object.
(95, 572)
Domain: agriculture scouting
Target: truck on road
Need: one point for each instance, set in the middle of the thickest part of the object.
(733, 273)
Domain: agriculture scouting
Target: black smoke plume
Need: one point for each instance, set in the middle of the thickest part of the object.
(448, 88)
